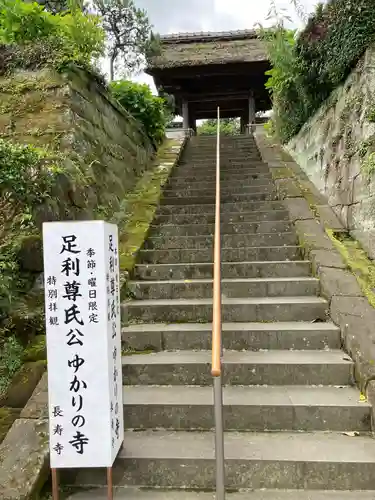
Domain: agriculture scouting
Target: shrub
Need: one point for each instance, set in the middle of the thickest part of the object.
(10, 361)
(26, 174)
(69, 37)
(306, 70)
(148, 109)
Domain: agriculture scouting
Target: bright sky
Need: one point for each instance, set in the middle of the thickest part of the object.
(173, 16)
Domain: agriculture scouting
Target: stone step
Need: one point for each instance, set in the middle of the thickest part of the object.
(193, 193)
(139, 493)
(227, 178)
(209, 218)
(226, 173)
(259, 309)
(282, 269)
(245, 254)
(235, 240)
(172, 230)
(225, 198)
(247, 408)
(210, 151)
(209, 157)
(240, 368)
(231, 288)
(247, 206)
(229, 183)
(287, 460)
(236, 336)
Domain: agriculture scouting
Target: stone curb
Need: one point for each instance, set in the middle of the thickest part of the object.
(348, 307)
(24, 453)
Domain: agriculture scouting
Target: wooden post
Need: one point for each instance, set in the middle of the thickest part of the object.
(251, 112)
(185, 114)
(109, 484)
(55, 484)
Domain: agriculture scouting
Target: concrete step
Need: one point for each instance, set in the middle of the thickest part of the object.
(244, 254)
(316, 460)
(257, 309)
(225, 198)
(177, 179)
(282, 269)
(233, 240)
(172, 230)
(236, 336)
(240, 368)
(225, 191)
(197, 172)
(225, 184)
(247, 206)
(139, 493)
(238, 287)
(247, 408)
(209, 218)
(209, 157)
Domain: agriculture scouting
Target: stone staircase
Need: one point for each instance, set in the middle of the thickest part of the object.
(290, 408)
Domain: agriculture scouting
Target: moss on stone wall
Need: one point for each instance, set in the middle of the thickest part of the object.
(101, 151)
(141, 205)
(357, 261)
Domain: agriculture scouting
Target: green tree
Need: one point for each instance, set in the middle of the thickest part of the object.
(59, 6)
(129, 34)
(228, 126)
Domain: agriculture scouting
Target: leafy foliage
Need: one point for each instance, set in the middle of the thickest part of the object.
(129, 34)
(67, 37)
(150, 110)
(26, 177)
(10, 361)
(56, 6)
(25, 174)
(228, 126)
(305, 70)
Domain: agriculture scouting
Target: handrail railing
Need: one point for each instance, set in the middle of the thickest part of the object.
(216, 336)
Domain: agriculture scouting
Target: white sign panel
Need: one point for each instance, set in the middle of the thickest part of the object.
(82, 296)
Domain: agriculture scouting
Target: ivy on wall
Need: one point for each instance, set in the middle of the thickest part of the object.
(306, 69)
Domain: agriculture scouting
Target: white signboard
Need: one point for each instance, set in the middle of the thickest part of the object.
(82, 296)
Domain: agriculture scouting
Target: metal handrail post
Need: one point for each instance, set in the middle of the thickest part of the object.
(216, 337)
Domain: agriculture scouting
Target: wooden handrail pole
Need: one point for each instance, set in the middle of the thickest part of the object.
(216, 315)
(216, 337)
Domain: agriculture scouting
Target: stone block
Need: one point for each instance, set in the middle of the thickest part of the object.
(280, 171)
(287, 188)
(322, 258)
(23, 384)
(370, 394)
(7, 417)
(24, 458)
(37, 405)
(367, 241)
(312, 236)
(356, 318)
(338, 282)
(311, 192)
(328, 218)
(298, 209)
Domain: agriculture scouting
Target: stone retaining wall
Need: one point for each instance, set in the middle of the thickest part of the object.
(334, 149)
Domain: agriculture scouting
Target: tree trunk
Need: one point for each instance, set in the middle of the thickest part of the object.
(112, 66)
